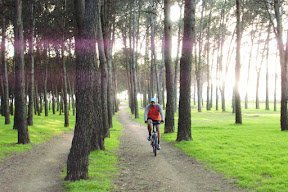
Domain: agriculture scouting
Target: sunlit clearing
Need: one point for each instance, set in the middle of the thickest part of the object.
(175, 12)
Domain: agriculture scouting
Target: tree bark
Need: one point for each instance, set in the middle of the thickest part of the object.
(199, 63)
(258, 69)
(134, 64)
(20, 119)
(222, 39)
(104, 77)
(5, 72)
(124, 36)
(267, 69)
(208, 107)
(153, 52)
(78, 158)
(238, 115)
(184, 124)
(169, 118)
(132, 100)
(249, 64)
(66, 111)
(275, 86)
(46, 63)
(37, 109)
(283, 61)
(106, 20)
(31, 55)
(177, 60)
(53, 100)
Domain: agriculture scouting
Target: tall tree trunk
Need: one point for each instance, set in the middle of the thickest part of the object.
(258, 82)
(46, 63)
(71, 93)
(217, 86)
(258, 69)
(177, 59)
(134, 63)
(161, 76)
(61, 100)
(5, 72)
(110, 92)
(212, 82)
(222, 90)
(169, 118)
(208, 107)
(131, 60)
(2, 95)
(73, 99)
(115, 88)
(37, 108)
(267, 69)
(106, 21)
(124, 37)
(57, 99)
(249, 64)
(78, 158)
(184, 123)
(275, 86)
(66, 111)
(114, 77)
(199, 63)
(31, 55)
(53, 100)
(12, 104)
(238, 115)
(20, 119)
(99, 132)
(283, 61)
(104, 77)
(153, 52)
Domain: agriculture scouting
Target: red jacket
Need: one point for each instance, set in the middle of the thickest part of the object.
(154, 112)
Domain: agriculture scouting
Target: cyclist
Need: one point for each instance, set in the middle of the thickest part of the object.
(154, 113)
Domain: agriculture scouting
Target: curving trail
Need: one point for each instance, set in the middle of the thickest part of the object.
(37, 170)
(171, 170)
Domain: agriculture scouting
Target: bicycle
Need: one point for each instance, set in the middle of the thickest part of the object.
(154, 141)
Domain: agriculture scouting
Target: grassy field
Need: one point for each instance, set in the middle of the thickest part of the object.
(43, 129)
(102, 165)
(254, 153)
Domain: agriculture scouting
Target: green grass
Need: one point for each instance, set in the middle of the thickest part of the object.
(254, 153)
(102, 165)
(43, 129)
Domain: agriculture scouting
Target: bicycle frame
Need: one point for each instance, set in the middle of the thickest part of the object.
(154, 141)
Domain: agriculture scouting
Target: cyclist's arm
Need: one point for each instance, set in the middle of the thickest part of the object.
(146, 112)
(161, 112)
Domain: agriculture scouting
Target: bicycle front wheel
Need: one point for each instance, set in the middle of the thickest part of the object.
(155, 146)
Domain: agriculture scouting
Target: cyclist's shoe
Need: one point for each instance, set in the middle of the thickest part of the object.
(149, 138)
(158, 147)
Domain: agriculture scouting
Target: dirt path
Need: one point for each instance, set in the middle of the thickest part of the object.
(37, 170)
(171, 170)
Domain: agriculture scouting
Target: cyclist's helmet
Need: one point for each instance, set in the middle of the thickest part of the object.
(153, 100)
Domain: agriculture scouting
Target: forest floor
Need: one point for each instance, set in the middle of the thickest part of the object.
(39, 169)
(171, 170)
